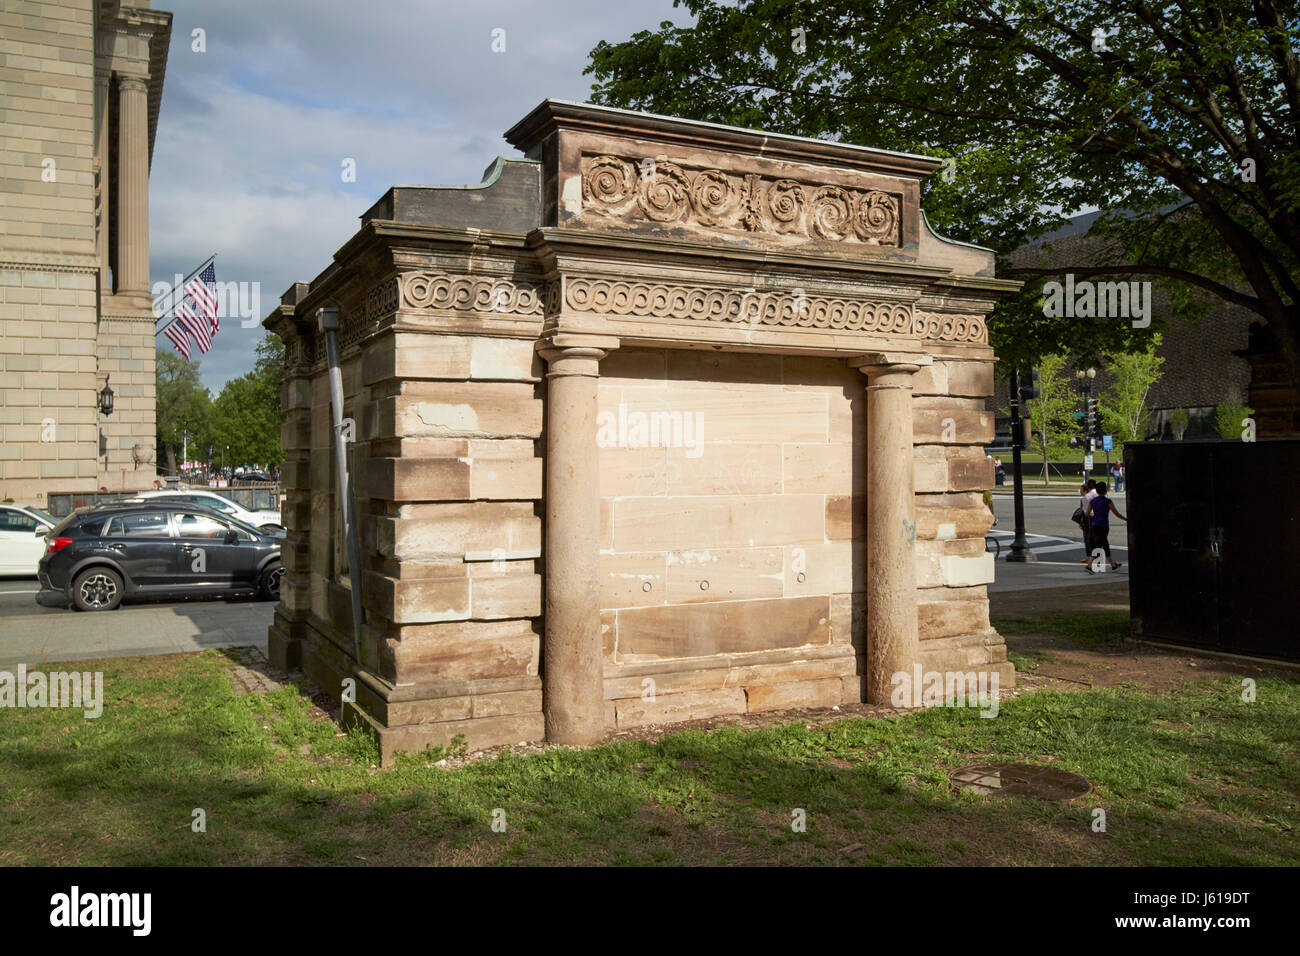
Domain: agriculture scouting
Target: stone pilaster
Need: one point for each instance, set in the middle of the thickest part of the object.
(893, 643)
(132, 272)
(103, 179)
(572, 656)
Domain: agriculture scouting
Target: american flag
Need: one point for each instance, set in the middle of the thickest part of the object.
(179, 338)
(202, 291)
(198, 327)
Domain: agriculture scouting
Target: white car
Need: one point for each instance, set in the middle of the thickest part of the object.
(22, 538)
(266, 520)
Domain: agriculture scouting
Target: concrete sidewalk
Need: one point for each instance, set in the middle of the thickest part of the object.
(133, 629)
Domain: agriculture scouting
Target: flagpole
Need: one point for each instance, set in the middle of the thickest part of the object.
(159, 330)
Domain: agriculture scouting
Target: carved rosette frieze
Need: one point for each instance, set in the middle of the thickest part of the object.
(462, 293)
(665, 192)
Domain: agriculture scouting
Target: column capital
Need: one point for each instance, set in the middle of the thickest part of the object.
(876, 363)
(570, 354)
(131, 82)
(563, 341)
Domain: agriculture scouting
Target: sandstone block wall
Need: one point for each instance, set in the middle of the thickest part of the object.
(48, 264)
(727, 567)
(49, 437)
(950, 428)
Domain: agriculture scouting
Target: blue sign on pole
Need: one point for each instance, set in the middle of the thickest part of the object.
(1107, 443)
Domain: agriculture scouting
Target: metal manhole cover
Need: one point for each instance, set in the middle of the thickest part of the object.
(1020, 780)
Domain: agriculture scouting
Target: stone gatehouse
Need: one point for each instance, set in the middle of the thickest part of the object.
(664, 420)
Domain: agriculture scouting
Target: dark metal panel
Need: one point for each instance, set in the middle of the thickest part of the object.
(1214, 537)
(1173, 588)
(1255, 487)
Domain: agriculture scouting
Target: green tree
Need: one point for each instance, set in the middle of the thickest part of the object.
(246, 416)
(1123, 404)
(1181, 120)
(1052, 412)
(1229, 419)
(182, 406)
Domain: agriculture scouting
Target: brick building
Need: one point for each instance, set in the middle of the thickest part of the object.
(80, 88)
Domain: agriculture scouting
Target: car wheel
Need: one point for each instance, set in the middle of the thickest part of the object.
(271, 581)
(99, 589)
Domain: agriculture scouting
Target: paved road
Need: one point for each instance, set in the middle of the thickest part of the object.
(32, 634)
(1055, 541)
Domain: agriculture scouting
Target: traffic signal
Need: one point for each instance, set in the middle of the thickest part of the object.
(1030, 390)
(1096, 420)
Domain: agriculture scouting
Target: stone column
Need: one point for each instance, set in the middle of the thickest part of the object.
(132, 267)
(893, 645)
(573, 669)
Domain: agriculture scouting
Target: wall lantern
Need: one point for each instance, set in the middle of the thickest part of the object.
(106, 399)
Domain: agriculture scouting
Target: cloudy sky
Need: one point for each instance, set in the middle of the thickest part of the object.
(254, 131)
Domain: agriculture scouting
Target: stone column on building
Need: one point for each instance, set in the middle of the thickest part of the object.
(893, 643)
(573, 699)
(132, 267)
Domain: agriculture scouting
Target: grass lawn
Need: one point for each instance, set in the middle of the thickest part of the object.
(1195, 777)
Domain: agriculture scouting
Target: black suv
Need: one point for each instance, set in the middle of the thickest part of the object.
(97, 556)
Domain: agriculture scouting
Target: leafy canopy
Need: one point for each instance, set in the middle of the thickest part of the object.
(1048, 108)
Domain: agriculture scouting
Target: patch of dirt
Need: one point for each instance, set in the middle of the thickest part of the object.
(1059, 663)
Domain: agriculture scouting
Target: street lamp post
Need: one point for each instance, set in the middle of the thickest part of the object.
(1085, 377)
(1020, 550)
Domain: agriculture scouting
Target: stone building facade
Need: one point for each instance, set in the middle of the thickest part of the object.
(663, 421)
(80, 89)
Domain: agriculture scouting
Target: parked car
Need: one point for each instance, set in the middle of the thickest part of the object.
(266, 520)
(248, 477)
(99, 556)
(21, 538)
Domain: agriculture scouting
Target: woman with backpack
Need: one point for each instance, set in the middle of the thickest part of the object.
(1100, 509)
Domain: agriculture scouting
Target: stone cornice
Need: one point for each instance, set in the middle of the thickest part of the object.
(38, 262)
(136, 317)
(552, 116)
(550, 242)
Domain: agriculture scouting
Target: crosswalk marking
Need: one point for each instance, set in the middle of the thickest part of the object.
(1043, 543)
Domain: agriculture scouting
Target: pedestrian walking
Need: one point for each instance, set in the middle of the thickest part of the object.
(1101, 508)
(999, 471)
(1117, 473)
(1087, 491)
